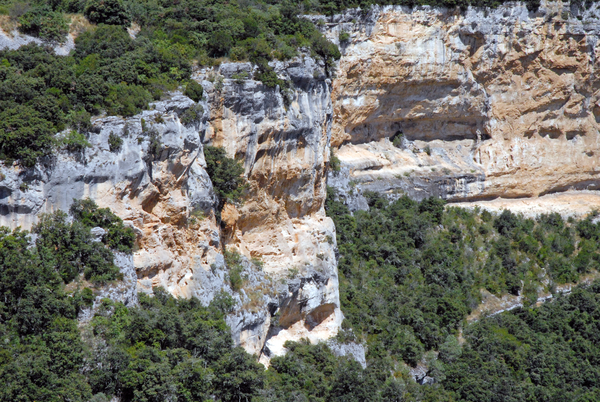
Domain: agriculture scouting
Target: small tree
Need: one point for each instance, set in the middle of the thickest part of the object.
(110, 12)
(194, 91)
(226, 175)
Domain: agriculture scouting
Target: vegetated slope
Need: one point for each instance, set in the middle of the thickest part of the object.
(410, 274)
(42, 93)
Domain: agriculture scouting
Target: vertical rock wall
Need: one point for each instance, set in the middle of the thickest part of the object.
(467, 105)
(157, 183)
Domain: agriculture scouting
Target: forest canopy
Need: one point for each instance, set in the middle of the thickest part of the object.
(117, 72)
(405, 291)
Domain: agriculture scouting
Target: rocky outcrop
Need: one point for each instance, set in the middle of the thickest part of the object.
(156, 182)
(282, 135)
(467, 105)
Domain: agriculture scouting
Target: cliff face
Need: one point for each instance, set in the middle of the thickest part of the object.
(475, 105)
(282, 137)
(157, 183)
(425, 102)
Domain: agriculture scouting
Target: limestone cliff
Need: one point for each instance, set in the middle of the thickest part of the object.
(156, 182)
(467, 105)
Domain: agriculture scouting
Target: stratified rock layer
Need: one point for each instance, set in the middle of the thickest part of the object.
(474, 105)
(157, 183)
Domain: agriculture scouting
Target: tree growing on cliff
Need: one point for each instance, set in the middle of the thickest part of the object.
(226, 175)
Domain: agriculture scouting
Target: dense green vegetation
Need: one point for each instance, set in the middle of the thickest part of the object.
(411, 272)
(42, 93)
(226, 175)
(550, 353)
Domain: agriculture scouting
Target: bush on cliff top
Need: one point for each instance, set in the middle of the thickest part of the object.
(111, 72)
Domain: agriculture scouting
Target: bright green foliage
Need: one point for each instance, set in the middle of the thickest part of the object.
(226, 175)
(411, 272)
(74, 141)
(194, 91)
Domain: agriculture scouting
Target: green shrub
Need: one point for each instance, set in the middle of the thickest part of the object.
(114, 142)
(219, 43)
(155, 147)
(194, 91)
(233, 260)
(118, 237)
(334, 161)
(344, 36)
(192, 115)
(45, 23)
(110, 12)
(269, 78)
(75, 141)
(226, 175)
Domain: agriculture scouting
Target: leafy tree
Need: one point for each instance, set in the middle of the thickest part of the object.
(226, 175)
(110, 12)
(194, 91)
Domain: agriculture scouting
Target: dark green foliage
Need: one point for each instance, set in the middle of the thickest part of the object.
(42, 354)
(313, 373)
(409, 273)
(155, 146)
(24, 135)
(43, 22)
(194, 91)
(226, 175)
(334, 161)
(114, 142)
(70, 249)
(118, 237)
(111, 12)
(42, 93)
(548, 353)
(170, 348)
(192, 115)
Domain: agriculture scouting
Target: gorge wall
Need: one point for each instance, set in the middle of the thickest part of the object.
(467, 105)
(157, 183)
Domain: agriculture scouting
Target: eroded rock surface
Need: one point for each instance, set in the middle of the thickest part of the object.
(475, 105)
(156, 182)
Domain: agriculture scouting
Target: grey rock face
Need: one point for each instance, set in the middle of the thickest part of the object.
(15, 40)
(156, 182)
(352, 350)
(124, 291)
